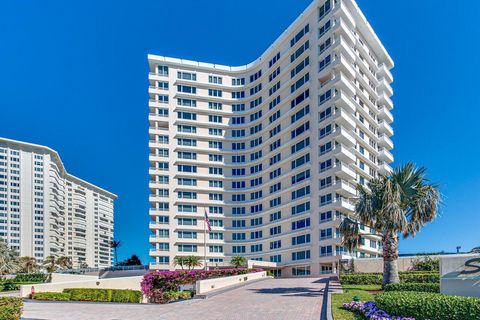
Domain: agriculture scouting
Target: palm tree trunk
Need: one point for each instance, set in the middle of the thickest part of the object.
(390, 257)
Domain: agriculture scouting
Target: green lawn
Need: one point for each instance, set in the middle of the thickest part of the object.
(349, 291)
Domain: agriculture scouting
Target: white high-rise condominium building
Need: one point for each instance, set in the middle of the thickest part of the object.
(272, 150)
(46, 211)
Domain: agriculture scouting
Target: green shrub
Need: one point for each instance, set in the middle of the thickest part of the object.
(126, 296)
(420, 277)
(10, 286)
(31, 277)
(426, 264)
(418, 287)
(432, 306)
(10, 308)
(170, 296)
(51, 296)
(96, 295)
(104, 295)
(376, 278)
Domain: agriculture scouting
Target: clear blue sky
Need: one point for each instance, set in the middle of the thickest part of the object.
(73, 76)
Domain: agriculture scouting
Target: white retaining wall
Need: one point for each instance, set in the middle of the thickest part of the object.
(132, 283)
(206, 286)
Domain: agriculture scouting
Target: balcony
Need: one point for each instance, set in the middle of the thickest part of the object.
(385, 155)
(341, 99)
(341, 46)
(341, 26)
(345, 172)
(154, 239)
(343, 136)
(385, 114)
(383, 72)
(384, 86)
(344, 205)
(342, 64)
(343, 154)
(340, 10)
(343, 118)
(384, 99)
(385, 142)
(385, 128)
(345, 188)
(384, 169)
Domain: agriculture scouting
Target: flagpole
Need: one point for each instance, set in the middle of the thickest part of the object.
(205, 242)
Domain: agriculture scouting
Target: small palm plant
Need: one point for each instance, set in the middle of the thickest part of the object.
(238, 261)
(193, 262)
(114, 244)
(27, 264)
(401, 203)
(180, 261)
(50, 264)
(64, 262)
(8, 259)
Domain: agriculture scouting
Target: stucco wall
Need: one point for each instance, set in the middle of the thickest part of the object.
(132, 283)
(206, 286)
(60, 277)
(375, 265)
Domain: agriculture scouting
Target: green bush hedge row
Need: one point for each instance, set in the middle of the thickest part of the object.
(51, 296)
(376, 278)
(432, 306)
(104, 295)
(11, 286)
(169, 296)
(418, 287)
(94, 295)
(30, 277)
(10, 308)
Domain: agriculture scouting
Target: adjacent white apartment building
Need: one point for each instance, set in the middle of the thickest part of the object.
(46, 211)
(272, 150)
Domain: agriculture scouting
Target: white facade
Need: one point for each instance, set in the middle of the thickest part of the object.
(272, 150)
(46, 211)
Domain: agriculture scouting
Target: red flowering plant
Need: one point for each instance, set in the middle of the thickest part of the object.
(155, 284)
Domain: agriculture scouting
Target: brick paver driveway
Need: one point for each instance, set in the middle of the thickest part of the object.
(277, 299)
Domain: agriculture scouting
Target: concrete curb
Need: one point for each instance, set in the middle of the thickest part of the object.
(329, 315)
(223, 290)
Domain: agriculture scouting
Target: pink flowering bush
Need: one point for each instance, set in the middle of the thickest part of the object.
(155, 284)
(370, 311)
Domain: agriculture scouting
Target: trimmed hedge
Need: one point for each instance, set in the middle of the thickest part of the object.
(126, 296)
(31, 277)
(95, 295)
(170, 296)
(376, 278)
(431, 306)
(10, 308)
(9, 285)
(51, 296)
(418, 287)
(104, 295)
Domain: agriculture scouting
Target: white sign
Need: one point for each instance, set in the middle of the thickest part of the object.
(460, 275)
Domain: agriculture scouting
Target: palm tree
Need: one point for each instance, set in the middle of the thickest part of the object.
(238, 261)
(8, 259)
(192, 262)
(180, 261)
(402, 202)
(64, 262)
(115, 245)
(27, 265)
(50, 264)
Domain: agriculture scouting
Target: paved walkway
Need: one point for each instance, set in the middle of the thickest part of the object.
(279, 299)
